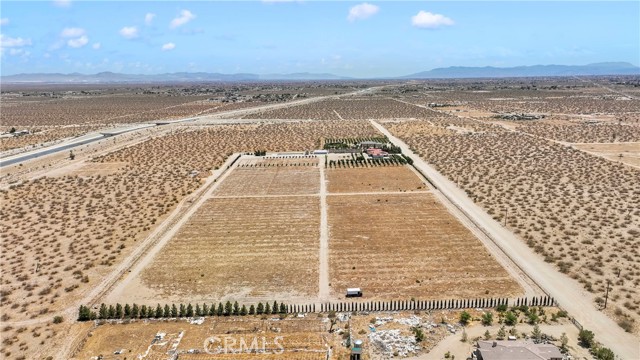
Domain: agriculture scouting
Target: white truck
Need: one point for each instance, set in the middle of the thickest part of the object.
(354, 292)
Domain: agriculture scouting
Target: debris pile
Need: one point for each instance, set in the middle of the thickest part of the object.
(391, 343)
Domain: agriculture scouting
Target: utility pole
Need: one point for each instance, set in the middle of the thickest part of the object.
(606, 296)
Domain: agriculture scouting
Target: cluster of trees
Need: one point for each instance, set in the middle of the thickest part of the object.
(533, 314)
(136, 311)
(587, 339)
(511, 317)
(260, 152)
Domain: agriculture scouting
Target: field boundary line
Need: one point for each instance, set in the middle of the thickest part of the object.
(323, 255)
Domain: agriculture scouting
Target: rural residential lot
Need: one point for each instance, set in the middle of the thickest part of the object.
(487, 189)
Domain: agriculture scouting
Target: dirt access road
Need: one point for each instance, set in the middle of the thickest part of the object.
(567, 292)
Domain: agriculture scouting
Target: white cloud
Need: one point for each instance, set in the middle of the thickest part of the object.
(96, 46)
(185, 17)
(129, 32)
(14, 45)
(62, 3)
(79, 42)
(427, 20)
(148, 19)
(168, 46)
(72, 32)
(6, 41)
(362, 11)
(4, 21)
(14, 52)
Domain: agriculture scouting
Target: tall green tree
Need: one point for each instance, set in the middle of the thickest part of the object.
(127, 311)
(174, 311)
(159, 312)
(119, 311)
(267, 309)
(260, 309)
(103, 313)
(135, 311)
(189, 310)
(143, 312)
(205, 310)
(536, 333)
(220, 310)
(274, 309)
(183, 310)
(167, 310)
(198, 310)
(236, 308)
(243, 310)
(228, 308)
(252, 310)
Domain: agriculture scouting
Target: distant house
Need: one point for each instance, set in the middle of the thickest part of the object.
(377, 153)
(517, 350)
(370, 144)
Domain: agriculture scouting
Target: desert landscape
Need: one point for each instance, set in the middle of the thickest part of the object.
(252, 203)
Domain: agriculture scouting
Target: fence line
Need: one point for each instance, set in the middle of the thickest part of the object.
(413, 305)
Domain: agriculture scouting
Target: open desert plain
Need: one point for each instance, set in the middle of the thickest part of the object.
(319, 180)
(227, 213)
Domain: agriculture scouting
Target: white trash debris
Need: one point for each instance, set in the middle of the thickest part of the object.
(390, 342)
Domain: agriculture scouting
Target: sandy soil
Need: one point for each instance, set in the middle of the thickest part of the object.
(565, 290)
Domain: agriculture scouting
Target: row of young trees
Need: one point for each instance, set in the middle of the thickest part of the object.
(136, 311)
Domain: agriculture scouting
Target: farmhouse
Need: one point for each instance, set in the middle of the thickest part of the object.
(517, 350)
(377, 153)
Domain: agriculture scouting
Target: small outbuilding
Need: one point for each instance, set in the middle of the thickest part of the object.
(517, 350)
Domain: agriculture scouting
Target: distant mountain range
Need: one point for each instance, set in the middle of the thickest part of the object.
(110, 77)
(609, 68)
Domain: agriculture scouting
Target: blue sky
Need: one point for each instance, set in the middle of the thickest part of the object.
(361, 39)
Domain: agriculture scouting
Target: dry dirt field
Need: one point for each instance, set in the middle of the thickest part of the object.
(97, 219)
(375, 179)
(242, 248)
(401, 246)
(277, 176)
(304, 338)
(627, 153)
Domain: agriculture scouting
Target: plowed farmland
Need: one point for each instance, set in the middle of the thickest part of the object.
(242, 247)
(394, 178)
(396, 246)
(275, 176)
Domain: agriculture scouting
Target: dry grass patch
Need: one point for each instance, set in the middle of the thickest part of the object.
(300, 338)
(272, 177)
(627, 153)
(249, 248)
(389, 178)
(403, 246)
